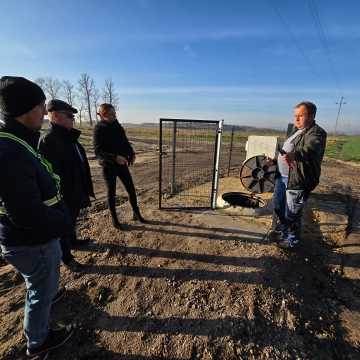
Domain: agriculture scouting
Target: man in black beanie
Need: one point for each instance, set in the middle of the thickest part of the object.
(32, 213)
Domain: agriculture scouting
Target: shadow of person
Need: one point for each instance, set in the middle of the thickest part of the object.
(316, 293)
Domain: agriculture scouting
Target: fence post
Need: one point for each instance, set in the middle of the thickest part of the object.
(173, 177)
(231, 149)
(215, 183)
(160, 161)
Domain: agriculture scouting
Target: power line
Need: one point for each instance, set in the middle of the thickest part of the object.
(340, 103)
(293, 37)
(324, 41)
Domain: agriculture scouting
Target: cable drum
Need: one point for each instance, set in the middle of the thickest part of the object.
(243, 200)
(257, 175)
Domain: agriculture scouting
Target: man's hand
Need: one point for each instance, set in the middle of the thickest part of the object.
(121, 160)
(290, 159)
(269, 161)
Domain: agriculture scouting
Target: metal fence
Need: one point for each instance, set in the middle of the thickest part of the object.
(232, 152)
(189, 158)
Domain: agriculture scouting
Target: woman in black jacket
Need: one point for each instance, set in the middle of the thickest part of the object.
(115, 154)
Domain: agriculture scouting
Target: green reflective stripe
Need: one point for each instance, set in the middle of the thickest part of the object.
(43, 161)
(53, 200)
(50, 202)
(21, 141)
(50, 170)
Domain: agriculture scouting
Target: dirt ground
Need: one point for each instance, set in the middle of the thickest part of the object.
(201, 284)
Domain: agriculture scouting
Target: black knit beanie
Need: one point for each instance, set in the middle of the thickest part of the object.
(18, 96)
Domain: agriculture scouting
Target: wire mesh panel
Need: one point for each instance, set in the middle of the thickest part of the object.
(189, 154)
(232, 151)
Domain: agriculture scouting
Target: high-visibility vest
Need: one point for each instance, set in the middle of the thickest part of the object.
(47, 165)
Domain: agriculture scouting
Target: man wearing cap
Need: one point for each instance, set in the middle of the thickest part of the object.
(61, 147)
(32, 213)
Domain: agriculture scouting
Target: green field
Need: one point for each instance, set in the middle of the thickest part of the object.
(345, 148)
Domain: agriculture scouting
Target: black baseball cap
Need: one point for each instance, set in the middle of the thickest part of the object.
(59, 105)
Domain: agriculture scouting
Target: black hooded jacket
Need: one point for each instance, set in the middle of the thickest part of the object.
(61, 147)
(25, 184)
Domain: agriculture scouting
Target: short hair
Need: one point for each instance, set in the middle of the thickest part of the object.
(104, 108)
(310, 107)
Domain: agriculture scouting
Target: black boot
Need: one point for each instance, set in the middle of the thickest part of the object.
(117, 225)
(137, 217)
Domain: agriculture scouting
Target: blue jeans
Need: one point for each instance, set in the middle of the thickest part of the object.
(288, 205)
(40, 267)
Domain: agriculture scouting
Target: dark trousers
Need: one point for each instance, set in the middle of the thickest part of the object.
(110, 173)
(68, 240)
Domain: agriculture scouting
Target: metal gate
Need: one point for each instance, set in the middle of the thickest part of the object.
(188, 163)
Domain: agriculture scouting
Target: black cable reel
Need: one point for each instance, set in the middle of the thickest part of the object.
(257, 175)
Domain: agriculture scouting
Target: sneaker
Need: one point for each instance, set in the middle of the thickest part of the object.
(288, 243)
(59, 295)
(74, 266)
(55, 339)
(275, 236)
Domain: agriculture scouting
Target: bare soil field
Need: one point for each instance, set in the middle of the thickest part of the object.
(202, 284)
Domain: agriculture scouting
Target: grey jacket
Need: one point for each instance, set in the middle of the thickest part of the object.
(309, 148)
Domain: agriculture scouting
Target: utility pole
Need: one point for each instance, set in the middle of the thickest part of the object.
(340, 103)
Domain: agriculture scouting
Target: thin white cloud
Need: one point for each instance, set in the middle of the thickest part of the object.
(259, 118)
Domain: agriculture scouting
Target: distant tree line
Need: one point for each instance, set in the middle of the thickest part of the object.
(83, 95)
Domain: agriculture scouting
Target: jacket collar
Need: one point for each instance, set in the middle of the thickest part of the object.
(72, 134)
(298, 138)
(16, 128)
(106, 123)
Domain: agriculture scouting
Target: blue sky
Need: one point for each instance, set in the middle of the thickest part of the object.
(245, 62)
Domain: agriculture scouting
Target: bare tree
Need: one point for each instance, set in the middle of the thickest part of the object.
(52, 87)
(41, 82)
(69, 92)
(109, 94)
(86, 87)
(96, 97)
(80, 115)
